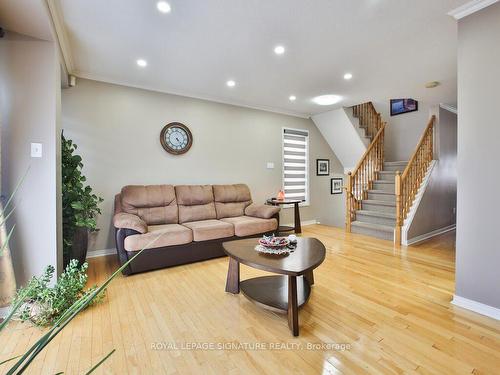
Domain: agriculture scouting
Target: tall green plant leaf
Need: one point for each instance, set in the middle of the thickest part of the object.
(67, 317)
(100, 362)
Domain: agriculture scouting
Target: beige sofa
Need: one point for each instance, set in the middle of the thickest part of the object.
(185, 223)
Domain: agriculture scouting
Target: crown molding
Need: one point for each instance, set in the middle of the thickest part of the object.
(61, 36)
(470, 7)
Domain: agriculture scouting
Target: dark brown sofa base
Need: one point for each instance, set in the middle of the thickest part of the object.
(152, 259)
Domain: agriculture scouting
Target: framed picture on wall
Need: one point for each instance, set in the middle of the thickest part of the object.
(322, 167)
(336, 185)
(400, 106)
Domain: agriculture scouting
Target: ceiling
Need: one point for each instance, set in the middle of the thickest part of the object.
(392, 48)
(28, 17)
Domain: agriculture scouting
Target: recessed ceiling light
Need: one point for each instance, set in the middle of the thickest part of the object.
(279, 50)
(327, 99)
(292, 98)
(163, 7)
(347, 76)
(231, 83)
(142, 63)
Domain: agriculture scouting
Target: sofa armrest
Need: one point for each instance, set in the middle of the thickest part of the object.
(123, 220)
(261, 211)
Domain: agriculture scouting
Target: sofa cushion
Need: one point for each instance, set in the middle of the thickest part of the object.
(167, 234)
(231, 200)
(262, 211)
(210, 229)
(248, 226)
(196, 202)
(155, 204)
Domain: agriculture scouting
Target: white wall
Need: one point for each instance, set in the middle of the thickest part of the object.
(403, 131)
(338, 130)
(478, 205)
(29, 85)
(117, 130)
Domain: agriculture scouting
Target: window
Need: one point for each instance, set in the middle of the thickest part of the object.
(296, 164)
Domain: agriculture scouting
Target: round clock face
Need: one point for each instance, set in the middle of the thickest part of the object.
(176, 138)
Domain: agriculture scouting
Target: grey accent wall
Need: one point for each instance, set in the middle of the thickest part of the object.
(29, 85)
(437, 207)
(403, 131)
(478, 247)
(117, 130)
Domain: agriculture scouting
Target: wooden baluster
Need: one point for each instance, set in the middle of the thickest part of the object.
(349, 203)
(399, 209)
(432, 140)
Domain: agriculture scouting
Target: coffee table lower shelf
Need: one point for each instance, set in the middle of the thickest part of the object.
(271, 292)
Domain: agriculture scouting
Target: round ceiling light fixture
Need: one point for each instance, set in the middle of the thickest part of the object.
(142, 63)
(163, 7)
(292, 98)
(348, 76)
(279, 50)
(230, 83)
(327, 99)
(432, 84)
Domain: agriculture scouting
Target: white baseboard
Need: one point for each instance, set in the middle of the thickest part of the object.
(302, 223)
(426, 236)
(477, 307)
(101, 253)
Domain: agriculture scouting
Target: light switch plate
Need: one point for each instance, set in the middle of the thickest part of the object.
(270, 165)
(36, 150)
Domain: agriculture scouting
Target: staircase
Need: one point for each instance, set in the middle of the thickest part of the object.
(377, 215)
(380, 193)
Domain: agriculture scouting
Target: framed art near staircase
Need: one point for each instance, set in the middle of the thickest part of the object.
(336, 185)
(322, 167)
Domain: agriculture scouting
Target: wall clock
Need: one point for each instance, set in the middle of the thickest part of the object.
(176, 138)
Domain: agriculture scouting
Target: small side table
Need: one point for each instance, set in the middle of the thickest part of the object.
(296, 228)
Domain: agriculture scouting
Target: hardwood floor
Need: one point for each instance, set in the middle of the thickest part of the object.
(390, 307)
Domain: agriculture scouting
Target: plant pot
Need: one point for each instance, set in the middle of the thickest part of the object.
(80, 245)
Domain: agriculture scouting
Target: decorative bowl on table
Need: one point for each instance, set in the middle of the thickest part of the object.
(273, 245)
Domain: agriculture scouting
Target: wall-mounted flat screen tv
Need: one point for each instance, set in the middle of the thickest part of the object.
(400, 106)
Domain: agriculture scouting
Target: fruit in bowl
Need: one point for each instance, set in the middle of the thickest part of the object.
(274, 242)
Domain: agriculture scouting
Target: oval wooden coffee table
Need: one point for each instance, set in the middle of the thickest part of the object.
(284, 294)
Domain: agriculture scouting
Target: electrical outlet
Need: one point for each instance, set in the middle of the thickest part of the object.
(36, 150)
(270, 165)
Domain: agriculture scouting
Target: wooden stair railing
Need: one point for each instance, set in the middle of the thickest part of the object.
(361, 179)
(368, 118)
(408, 183)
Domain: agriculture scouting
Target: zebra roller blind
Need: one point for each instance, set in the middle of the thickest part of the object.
(296, 164)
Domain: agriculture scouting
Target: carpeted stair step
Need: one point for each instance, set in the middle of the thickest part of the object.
(384, 185)
(381, 195)
(395, 166)
(378, 206)
(387, 175)
(384, 232)
(374, 217)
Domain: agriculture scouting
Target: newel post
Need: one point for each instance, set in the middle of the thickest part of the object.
(399, 211)
(348, 202)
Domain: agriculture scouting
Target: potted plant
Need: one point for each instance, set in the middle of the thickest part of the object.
(79, 205)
